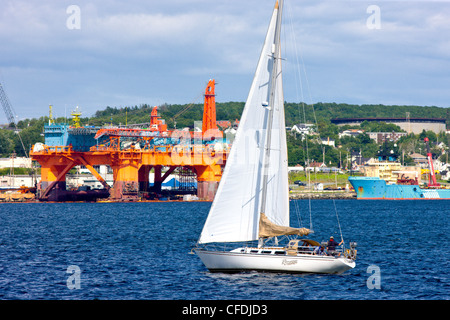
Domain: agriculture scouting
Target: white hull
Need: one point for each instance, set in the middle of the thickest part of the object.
(234, 261)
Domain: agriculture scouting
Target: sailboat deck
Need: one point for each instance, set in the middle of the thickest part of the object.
(275, 250)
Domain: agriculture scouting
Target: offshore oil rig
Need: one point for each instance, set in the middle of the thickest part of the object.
(131, 153)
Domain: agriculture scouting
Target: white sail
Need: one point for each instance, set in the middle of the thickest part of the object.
(235, 212)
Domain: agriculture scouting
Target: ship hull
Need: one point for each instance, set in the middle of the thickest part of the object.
(373, 188)
(235, 261)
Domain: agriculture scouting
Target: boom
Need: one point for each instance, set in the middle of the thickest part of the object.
(7, 106)
(10, 114)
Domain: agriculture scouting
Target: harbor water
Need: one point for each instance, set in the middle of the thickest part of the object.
(136, 251)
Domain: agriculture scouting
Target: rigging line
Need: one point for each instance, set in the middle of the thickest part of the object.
(298, 76)
(310, 215)
(337, 217)
(297, 54)
(298, 69)
(311, 101)
(298, 64)
(297, 73)
(297, 211)
(298, 84)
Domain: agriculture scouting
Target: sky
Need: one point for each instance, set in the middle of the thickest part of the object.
(94, 54)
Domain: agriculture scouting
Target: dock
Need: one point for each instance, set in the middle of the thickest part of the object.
(319, 195)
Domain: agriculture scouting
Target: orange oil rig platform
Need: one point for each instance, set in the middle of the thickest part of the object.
(131, 154)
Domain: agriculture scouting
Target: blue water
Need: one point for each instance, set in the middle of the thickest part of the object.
(141, 251)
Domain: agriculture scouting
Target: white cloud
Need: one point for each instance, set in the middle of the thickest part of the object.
(132, 52)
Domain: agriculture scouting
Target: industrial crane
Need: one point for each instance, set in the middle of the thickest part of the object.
(432, 180)
(9, 111)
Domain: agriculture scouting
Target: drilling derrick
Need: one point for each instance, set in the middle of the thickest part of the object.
(209, 126)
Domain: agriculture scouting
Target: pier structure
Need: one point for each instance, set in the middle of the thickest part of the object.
(132, 154)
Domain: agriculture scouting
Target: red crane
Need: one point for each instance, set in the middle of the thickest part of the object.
(209, 126)
(432, 177)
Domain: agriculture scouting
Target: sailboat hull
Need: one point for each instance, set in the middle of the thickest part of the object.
(235, 261)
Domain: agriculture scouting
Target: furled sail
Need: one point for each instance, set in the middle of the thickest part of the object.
(234, 214)
(268, 229)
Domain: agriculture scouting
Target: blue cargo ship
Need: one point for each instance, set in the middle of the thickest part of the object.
(377, 189)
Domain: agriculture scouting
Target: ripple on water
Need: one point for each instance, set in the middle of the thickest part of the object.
(141, 251)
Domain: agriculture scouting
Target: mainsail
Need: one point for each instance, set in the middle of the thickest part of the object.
(251, 169)
(268, 229)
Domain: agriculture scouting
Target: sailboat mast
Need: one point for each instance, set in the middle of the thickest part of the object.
(274, 75)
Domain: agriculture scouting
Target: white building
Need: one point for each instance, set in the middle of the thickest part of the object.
(18, 181)
(350, 133)
(297, 168)
(15, 162)
(380, 137)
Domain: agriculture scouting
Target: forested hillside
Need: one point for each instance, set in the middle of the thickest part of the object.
(295, 113)
(319, 114)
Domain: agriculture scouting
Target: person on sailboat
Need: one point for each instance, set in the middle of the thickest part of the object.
(319, 251)
(332, 244)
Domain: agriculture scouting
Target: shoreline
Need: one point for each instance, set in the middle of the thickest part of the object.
(313, 195)
(318, 195)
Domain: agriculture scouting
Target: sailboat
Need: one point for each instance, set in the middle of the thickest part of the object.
(251, 205)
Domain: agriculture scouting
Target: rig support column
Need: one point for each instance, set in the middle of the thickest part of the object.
(53, 179)
(55, 164)
(143, 176)
(157, 181)
(126, 179)
(208, 178)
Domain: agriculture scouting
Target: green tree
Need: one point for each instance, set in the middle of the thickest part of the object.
(432, 137)
(6, 142)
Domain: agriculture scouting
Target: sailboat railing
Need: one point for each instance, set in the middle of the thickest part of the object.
(341, 250)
